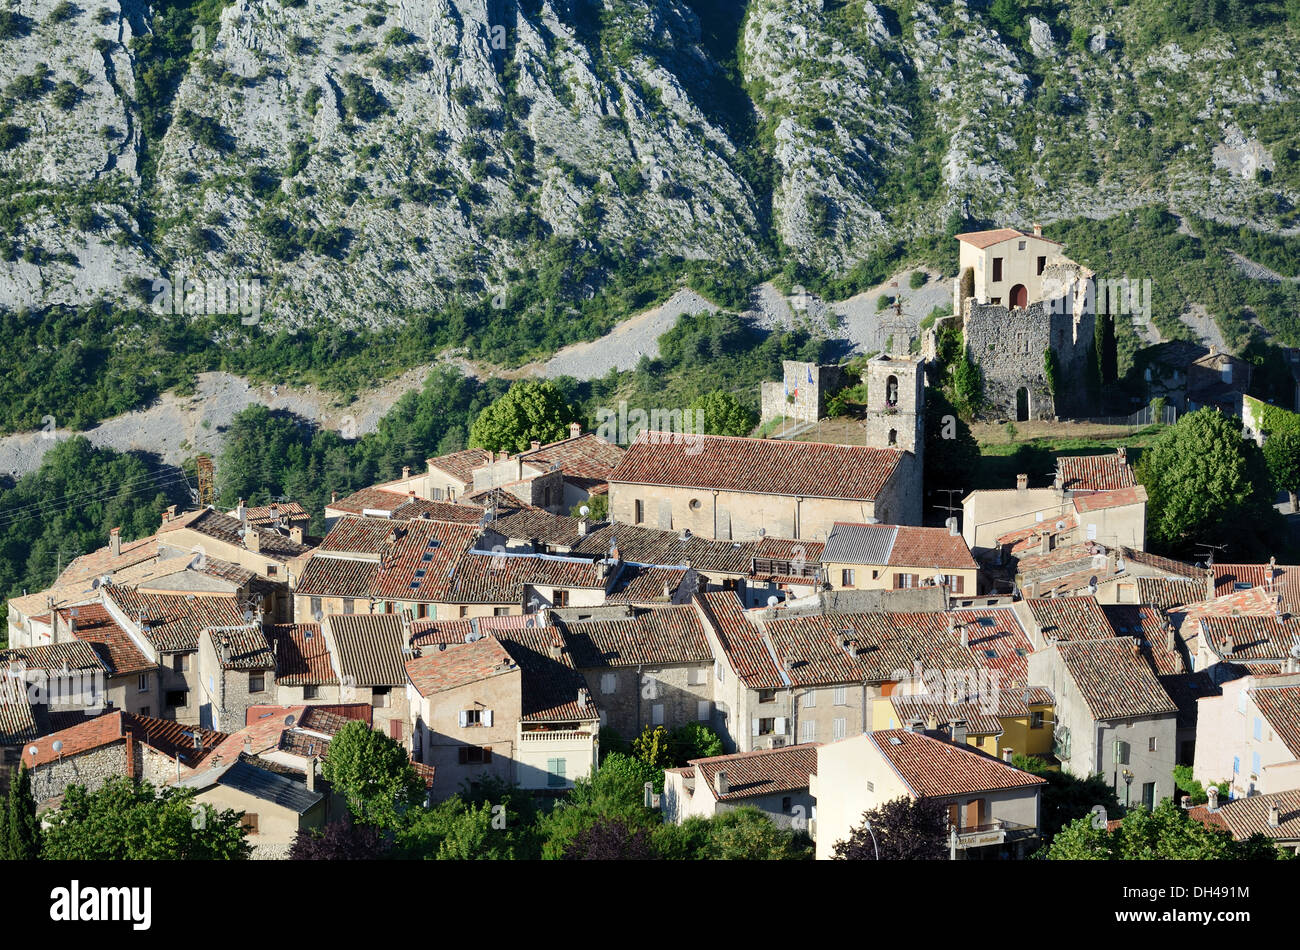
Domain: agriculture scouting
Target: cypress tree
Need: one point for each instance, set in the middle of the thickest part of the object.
(23, 829)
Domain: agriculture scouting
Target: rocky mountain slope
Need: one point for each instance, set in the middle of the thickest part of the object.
(367, 161)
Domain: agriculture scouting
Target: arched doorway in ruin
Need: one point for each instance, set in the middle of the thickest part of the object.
(1019, 296)
(1022, 404)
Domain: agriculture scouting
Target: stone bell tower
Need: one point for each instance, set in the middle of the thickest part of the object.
(896, 403)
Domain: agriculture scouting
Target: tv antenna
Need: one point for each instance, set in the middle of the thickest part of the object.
(1210, 549)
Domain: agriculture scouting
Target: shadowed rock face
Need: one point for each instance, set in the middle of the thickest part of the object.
(365, 161)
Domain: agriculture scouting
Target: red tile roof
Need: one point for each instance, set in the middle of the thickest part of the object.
(639, 545)
(550, 687)
(1070, 618)
(302, 657)
(1247, 816)
(586, 457)
(175, 620)
(764, 772)
(664, 635)
(983, 239)
(1094, 472)
(225, 528)
(368, 648)
(765, 466)
(52, 657)
(1167, 592)
(461, 464)
(17, 724)
(484, 577)
(743, 644)
(1164, 564)
(1283, 578)
(337, 577)
(172, 738)
(1253, 637)
(448, 666)
(243, 649)
(1280, 705)
(932, 768)
(262, 515)
(1114, 680)
(1110, 499)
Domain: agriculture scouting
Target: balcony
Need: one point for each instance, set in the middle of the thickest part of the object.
(554, 735)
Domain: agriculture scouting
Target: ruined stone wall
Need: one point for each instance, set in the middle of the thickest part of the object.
(802, 393)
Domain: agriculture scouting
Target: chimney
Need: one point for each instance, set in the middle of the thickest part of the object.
(1229, 644)
(248, 746)
(1274, 816)
(252, 539)
(1008, 754)
(1171, 639)
(534, 445)
(575, 429)
(931, 722)
(1038, 229)
(334, 496)
(1135, 648)
(1122, 452)
(311, 774)
(721, 783)
(1187, 802)
(171, 512)
(1045, 543)
(1209, 585)
(1022, 482)
(915, 725)
(584, 697)
(241, 512)
(1213, 793)
(295, 534)
(406, 471)
(582, 527)
(556, 651)
(410, 494)
(115, 542)
(952, 527)
(274, 513)
(1033, 589)
(130, 754)
(957, 731)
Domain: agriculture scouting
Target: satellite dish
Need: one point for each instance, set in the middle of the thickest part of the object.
(94, 585)
(938, 580)
(772, 601)
(248, 616)
(762, 532)
(318, 615)
(58, 745)
(1060, 526)
(289, 720)
(584, 511)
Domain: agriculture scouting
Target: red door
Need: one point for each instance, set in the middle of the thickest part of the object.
(1019, 296)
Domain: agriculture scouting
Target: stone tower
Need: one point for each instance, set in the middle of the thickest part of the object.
(896, 403)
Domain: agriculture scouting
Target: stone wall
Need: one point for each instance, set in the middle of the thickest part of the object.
(91, 769)
(802, 392)
(630, 706)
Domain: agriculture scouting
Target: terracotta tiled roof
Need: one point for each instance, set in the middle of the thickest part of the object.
(888, 647)
(1114, 680)
(103, 561)
(264, 726)
(1110, 499)
(91, 734)
(224, 528)
(1280, 705)
(1094, 472)
(1283, 578)
(653, 585)
(337, 577)
(175, 620)
(896, 545)
(664, 635)
(997, 631)
(173, 739)
(983, 239)
(1167, 592)
(526, 523)
(418, 566)
(744, 646)
(16, 722)
(1254, 637)
(302, 657)
(243, 649)
(432, 632)
(932, 768)
(52, 657)
(638, 545)
(765, 772)
(330, 719)
(1147, 624)
(1088, 554)
(261, 515)
(368, 648)
(484, 577)
(97, 627)
(981, 720)
(443, 667)
(1165, 564)
(550, 687)
(461, 464)
(354, 535)
(766, 466)
(404, 506)
(1201, 813)
(1247, 816)
(586, 457)
(1070, 618)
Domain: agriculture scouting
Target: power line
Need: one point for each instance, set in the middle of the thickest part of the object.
(40, 509)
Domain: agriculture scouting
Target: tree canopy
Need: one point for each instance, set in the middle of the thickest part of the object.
(723, 414)
(373, 773)
(1167, 833)
(903, 829)
(529, 410)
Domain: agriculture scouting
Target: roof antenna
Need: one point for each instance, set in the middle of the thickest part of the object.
(1210, 549)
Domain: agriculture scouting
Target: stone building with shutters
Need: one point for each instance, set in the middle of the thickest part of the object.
(774, 781)
(737, 489)
(499, 698)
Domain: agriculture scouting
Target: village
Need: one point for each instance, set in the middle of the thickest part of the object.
(510, 619)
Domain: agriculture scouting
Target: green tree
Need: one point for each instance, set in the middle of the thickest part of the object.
(1067, 797)
(22, 829)
(597, 508)
(616, 790)
(126, 820)
(1183, 779)
(1166, 834)
(1205, 482)
(529, 410)
(374, 775)
(694, 740)
(967, 284)
(722, 414)
(651, 747)
(903, 829)
(1282, 454)
(746, 834)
